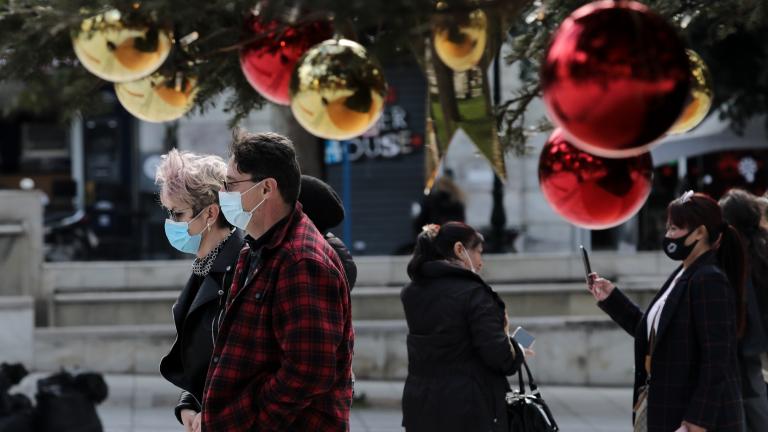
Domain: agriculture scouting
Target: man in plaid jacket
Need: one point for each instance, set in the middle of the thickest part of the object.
(284, 340)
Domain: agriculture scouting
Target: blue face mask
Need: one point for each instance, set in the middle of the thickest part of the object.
(179, 237)
(232, 206)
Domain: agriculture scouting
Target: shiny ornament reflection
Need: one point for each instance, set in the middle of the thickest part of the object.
(700, 96)
(112, 51)
(157, 98)
(460, 38)
(337, 90)
(269, 63)
(591, 191)
(615, 77)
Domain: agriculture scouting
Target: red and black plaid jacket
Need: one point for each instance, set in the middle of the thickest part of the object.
(283, 356)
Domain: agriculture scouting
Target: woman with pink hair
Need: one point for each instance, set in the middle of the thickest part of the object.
(189, 185)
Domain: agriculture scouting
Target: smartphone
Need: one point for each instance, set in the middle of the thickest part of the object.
(585, 259)
(524, 338)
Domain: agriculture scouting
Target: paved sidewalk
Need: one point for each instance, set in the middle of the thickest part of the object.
(144, 404)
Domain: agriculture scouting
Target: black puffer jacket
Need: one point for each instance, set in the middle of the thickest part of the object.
(186, 365)
(346, 258)
(324, 208)
(459, 353)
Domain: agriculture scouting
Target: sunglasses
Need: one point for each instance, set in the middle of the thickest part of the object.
(176, 215)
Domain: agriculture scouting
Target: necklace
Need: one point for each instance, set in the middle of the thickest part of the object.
(201, 266)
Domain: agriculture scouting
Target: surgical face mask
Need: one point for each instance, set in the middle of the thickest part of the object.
(232, 206)
(471, 265)
(676, 248)
(179, 237)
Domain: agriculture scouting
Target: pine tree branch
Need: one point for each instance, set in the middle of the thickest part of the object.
(36, 49)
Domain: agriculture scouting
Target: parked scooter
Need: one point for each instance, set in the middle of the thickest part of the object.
(67, 235)
(69, 238)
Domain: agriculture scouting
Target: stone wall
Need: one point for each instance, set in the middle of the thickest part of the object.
(21, 242)
(17, 321)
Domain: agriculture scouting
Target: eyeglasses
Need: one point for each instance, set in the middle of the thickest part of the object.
(228, 184)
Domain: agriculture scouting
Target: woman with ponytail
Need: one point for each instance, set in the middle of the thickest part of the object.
(743, 211)
(686, 363)
(459, 350)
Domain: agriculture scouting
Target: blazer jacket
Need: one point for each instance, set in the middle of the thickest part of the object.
(694, 367)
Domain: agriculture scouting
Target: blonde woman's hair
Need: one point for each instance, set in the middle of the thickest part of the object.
(194, 179)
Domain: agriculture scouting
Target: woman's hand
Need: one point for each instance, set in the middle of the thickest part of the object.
(599, 287)
(191, 420)
(197, 423)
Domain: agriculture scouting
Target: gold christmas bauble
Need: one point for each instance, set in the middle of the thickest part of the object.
(460, 38)
(337, 90)
(157, 98)
(115, 52)
(700, 96)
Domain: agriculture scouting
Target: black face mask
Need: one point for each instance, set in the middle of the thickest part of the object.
(676, 248)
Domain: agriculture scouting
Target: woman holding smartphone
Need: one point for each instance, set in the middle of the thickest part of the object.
(459, 350)
(686, 363)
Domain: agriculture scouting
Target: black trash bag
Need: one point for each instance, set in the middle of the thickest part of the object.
(10, 375)
(15, 409)
(67, 403)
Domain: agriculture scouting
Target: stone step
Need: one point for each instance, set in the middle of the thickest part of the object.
(522, 300)
(372, 270)
(111, 308)
(573, 350)
(130, 306)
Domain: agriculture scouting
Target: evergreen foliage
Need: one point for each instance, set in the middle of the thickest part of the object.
(36, 48)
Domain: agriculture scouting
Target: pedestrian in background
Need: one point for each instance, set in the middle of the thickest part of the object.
(324, 208)
(742, 210)
(459, 350)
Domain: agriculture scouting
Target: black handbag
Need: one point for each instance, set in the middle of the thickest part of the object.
(528, 412)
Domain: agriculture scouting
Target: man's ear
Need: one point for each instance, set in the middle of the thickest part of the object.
(270, 185)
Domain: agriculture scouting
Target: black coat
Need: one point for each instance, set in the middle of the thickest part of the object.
(194, 312)
(694, 367)
(458, 353)
(350, 269)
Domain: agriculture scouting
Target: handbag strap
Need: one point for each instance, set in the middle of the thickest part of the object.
(541, 405)
(531, 381)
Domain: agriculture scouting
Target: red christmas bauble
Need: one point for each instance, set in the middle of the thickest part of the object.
(269, 62)
(590, 191)
(615, 77)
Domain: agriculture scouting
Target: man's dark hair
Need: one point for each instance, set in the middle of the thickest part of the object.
(268, 155)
